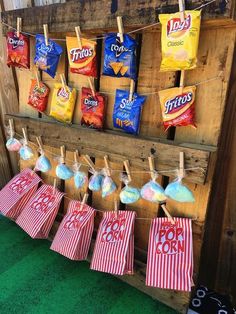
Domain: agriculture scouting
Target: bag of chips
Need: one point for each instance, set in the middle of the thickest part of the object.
(63, 103)
(120, 58)
(82, 61)
(179, 40)
(38, 96)
(47, 57)
(18, 54)
(93, 109)
(126, 114)
(178, 108)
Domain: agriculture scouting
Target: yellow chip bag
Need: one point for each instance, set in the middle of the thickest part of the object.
(179, 40)
(63, 103)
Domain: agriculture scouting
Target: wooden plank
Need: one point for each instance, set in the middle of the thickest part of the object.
(118, 146)
(64, 17)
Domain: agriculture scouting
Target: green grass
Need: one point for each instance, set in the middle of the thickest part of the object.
(35, 280)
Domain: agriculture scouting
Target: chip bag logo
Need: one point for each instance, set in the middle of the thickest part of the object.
(113, 231)
(118, 48)
(79, 55)
(63, 93)
(176, 28)
(90, 102)
(176, 103)
(15, 42)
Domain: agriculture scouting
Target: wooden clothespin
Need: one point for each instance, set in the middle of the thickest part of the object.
(91, 86)
(40, 143)
(181, 83)
(116, 207)
(181, 164)
(18, 26)
(78, 34)
(127, 169)
(163, 206)
(63, 81)
(24, 130)
(106, 161)
(89, 162)
(181, 10)
(54, 186)
(11, 127)
(63, 154)
(45, 30)
(76, 156)
(151, 166)
(37, 77)
(84, 201)
(120, 28)
(131, 90)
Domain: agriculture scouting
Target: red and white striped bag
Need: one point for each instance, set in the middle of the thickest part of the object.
(73, 237)
(39, 214)
(170, 254)
(114, 247)
(17, 192)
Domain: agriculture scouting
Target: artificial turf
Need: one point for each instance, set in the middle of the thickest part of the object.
(34, 279)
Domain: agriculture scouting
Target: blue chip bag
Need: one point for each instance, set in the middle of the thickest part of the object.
(120, 58)
(126, 114)
(47, 57)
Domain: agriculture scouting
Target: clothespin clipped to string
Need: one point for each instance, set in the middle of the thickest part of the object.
(18, 26)
(131, 90)
(152, 167)
(78, 34)
(84, 201)
(127, 169)
(181, 171)
(63, 154)
(91, 86)
(163, 206)
(40, 143)
(11, 127)
(54, 186)
(63, 81)
(76, 156)
(24, 130)
(182, 74)
(106, 161)
(37, 77)
(89, 162)
(116, 207)
(120, 28)
(45, 30)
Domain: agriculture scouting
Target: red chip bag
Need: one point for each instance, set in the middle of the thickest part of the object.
(18, 50)
(93, 109)
(38, 96)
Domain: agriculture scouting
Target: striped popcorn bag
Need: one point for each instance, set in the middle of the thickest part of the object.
(16, 194)
(74, 234)
(114, 248)
(38, 216)
(170, 255)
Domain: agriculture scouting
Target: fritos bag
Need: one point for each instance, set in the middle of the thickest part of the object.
(82, 61)
(114, 248)
(74, 234)
(18, 50)
(120, 58)
(93, 109)
(170, 255)
(63, 103)
(17, 192)
(179, 40)
(38, 96)
(178, 109)
(38, 216)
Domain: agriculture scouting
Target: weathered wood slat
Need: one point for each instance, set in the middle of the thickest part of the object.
(64, 17)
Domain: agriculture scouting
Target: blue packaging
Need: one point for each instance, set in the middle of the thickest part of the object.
(47, 57)
(120, 58)
(126, 114)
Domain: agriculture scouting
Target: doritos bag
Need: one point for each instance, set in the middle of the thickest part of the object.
(63, 103)
(38, 96)
(179, 40)
(170, 254)
(47, 57)
(74, 234)
(17, 192)
(18, 50)
(114, 248)
(82, 61)
(120, 58)
(178, 108)
(38, 216)
(126, 114)
(93, 109)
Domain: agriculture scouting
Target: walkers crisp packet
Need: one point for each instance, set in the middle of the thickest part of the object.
(38, 96)
(18, 50)
(47, 57)
(179, 40)
(82, 61)
(178, 108)
(120, 58)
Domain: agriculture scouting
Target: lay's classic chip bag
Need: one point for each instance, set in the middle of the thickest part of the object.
(179, 40)
(18, 50)
(47, 57)
(82, 61)
(126, 114)
(63, 103)
(177, 106)
(120, 58)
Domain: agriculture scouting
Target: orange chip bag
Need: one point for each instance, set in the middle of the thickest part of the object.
(82, 61)
(178, 108)
(63, 103)
(179, 40)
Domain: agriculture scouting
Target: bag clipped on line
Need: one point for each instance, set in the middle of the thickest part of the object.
(15, 195)
(39, 214)
(74, 234)
(114, 248)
